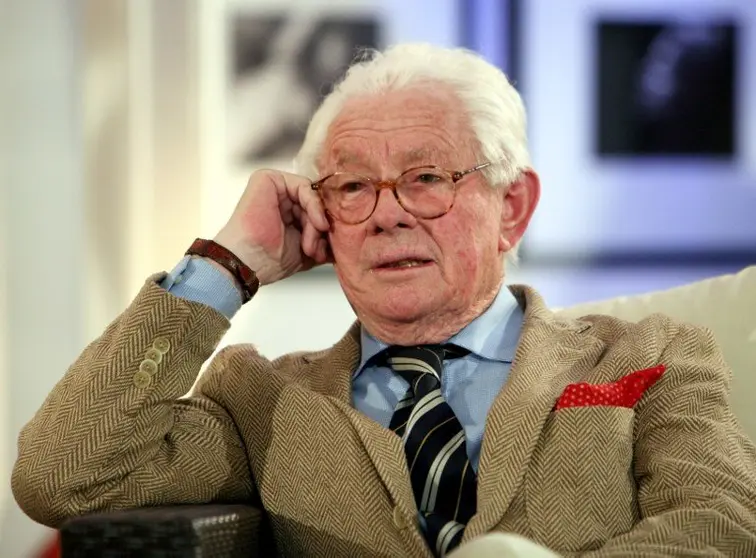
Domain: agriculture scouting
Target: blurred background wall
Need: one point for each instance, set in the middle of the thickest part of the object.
(129, 127)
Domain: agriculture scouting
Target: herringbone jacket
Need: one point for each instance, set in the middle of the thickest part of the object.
(672, 475)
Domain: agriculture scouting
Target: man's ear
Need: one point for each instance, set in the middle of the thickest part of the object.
(520, 200)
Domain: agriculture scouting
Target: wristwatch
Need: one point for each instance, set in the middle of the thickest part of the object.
(246, 278)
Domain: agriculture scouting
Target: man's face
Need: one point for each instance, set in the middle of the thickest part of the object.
(380, 137)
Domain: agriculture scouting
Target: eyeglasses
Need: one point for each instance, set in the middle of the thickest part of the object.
(427, 192)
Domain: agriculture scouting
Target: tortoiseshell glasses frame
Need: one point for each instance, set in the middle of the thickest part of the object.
(427, 192)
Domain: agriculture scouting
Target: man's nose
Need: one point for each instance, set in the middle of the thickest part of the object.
(389, 213)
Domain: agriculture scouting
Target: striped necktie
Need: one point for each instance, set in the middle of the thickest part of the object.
(443, 481)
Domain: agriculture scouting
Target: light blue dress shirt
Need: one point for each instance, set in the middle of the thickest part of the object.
(199, 281)
(469, 384)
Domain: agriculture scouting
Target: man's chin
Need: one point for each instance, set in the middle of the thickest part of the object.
(398, 303)
(403, 309)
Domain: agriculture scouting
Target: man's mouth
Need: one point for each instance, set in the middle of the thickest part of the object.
(404, 263)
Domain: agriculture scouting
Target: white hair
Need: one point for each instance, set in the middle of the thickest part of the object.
(495, 108)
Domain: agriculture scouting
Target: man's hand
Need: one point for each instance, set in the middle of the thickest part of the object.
(279, 226)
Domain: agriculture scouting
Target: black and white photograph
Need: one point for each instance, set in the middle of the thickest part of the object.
(281, 66)
(666, 88)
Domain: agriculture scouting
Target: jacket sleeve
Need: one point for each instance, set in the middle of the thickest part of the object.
(694, 466)
(118, 431)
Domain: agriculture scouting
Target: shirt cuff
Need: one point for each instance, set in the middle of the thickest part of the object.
(200, 281)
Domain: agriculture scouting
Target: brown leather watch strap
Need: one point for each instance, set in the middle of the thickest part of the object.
(246, 278)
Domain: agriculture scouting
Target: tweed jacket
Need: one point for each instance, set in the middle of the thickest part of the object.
(670, 475)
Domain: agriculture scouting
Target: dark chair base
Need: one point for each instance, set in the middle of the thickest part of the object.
(206, 531)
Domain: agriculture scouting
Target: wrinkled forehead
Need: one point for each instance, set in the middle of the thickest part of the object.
(345, 155)
(398, 130)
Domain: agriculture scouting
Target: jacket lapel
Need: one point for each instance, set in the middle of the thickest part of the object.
(331, 372)
(551, 354)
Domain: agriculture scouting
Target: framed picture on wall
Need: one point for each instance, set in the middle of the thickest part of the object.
(666, 87)
(280, 67)
(642, 126)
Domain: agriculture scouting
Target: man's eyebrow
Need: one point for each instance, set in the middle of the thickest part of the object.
(413, 157)
(421, 156)
(346, 158)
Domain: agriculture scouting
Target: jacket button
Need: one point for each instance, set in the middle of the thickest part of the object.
(142, 379)
(149, 366)
(162, 344)
(153, 354)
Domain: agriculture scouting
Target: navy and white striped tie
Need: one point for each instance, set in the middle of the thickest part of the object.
(443, 481)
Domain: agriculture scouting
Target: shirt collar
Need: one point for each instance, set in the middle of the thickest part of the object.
(493, 335)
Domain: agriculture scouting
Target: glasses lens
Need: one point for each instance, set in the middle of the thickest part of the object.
(426, 192)
(348, 197)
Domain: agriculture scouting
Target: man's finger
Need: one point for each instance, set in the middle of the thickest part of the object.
(310, 236)
(299, 190)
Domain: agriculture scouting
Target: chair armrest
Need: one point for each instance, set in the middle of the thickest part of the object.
(210, 531)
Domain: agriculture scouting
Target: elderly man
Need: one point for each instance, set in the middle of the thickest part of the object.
(453, 408)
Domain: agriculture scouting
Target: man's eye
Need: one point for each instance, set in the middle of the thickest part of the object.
(428, 178)
(352, 187)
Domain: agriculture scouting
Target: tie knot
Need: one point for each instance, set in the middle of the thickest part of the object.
(412, 363)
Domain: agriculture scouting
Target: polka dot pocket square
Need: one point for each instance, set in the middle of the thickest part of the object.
(625, 392)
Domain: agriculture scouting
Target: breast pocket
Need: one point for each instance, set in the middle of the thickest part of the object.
(580, 489)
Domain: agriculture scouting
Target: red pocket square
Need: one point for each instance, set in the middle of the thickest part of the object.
(625, 392)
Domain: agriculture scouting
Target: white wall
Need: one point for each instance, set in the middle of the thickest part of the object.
(43, 225)
(88, 107)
